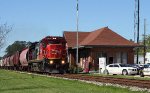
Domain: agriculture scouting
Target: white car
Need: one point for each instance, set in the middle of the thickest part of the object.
(124, 69)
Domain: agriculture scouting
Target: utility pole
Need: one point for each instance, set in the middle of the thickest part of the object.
(135, 22)
(137, 25)
(77, 54)
(144, 39)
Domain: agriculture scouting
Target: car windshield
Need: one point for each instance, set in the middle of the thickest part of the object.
(146, 66)
(125, 65)
(148, 63)
(135, 65)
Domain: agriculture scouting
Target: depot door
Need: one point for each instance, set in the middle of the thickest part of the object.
(110, 60)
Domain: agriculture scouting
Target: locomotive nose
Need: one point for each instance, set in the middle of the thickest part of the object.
(54, 51)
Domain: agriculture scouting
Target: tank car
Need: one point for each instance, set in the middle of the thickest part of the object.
(1, 63)
(16, 60)
(11, 63)
(8, 62)
(24, 59)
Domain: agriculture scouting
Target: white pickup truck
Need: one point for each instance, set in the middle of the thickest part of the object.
(124, 69)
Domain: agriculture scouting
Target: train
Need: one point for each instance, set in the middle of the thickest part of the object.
(48, 55)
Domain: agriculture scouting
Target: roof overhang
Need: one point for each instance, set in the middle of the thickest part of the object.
(114, 46)
(78, 47)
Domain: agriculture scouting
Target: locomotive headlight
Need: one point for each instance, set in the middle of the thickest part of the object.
(51, 62)
(63, 62)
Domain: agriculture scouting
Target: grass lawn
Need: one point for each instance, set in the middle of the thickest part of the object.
(13, 82)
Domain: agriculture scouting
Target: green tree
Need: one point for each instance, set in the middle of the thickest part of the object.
(147, 41)
(147, 44)
(16, 46)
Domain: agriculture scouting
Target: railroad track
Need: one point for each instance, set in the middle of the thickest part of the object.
(120, 81)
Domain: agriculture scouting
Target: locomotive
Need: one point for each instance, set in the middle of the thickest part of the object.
(47, 55)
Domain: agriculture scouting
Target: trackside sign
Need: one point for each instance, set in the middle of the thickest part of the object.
(102, 64)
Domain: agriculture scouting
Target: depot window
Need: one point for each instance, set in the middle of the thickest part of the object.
(121, 57)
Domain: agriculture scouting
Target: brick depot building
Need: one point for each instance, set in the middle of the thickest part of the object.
(99, 43)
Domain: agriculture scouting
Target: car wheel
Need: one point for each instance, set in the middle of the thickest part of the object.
(105, 72)
(124, 72)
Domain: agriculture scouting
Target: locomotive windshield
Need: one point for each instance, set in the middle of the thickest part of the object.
(54, 42)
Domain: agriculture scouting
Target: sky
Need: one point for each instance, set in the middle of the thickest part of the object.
(32, 20)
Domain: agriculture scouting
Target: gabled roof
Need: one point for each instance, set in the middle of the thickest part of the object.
(71, 37)
(100, 37)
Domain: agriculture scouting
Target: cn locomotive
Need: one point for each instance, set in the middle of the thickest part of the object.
(47, 55)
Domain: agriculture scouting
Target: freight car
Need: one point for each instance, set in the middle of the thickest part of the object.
(16, 60)
(1, 64)
(47, 55)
